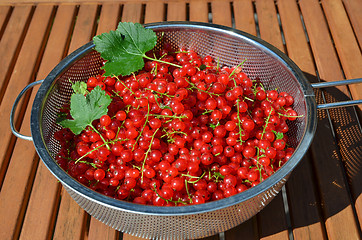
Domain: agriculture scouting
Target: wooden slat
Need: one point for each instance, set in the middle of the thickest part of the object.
(246, 230)
(132, 12)
(199, 11)
(71, 218)
(176, 11)
(304, 203)
(349, 139)
(9, 49)
(295, 37)
(351, 148)
(244, 20)
(302, 194)
(338, 213)
(98, 230)
(154, 12)
(109, 17)
(13, 34)
(268, 23)
(323, 50)
(130, 237)
(346, 44)
(178, 16)
(354, 9)
(340, 221)
(244, 16)
(84, 26)
(15, 190)
(221, 12)
(45, 189)
(351, 60)
(4, 12)
(108, 20)
(272, 219)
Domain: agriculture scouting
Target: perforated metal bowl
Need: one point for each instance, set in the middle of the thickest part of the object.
(231, 46)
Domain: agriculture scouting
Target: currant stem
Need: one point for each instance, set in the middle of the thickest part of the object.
(283, 115)
(158, 60)
(119, 80)
(187, 191)
(146, 154)
(239, 120)
(194, 86)
(164, 94)
(144, 125)
(105, 142)
(165, 116)
(266, 124)
(190, 176)
(90, 152)
(168, 200)
(232, 73)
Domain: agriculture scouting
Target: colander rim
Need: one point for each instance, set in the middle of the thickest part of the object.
(84, 191)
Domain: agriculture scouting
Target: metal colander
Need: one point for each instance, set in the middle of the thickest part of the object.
(231, 47)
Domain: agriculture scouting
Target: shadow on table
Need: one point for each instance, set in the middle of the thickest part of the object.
(335, 161)
(327, 180)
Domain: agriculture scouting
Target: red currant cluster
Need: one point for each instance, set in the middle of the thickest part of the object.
(180, 135)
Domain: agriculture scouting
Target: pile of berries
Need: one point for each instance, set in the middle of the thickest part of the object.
(180, 135)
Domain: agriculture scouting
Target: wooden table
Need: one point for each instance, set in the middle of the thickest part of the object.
(323, 197)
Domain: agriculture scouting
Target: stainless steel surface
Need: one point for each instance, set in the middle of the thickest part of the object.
(13, 109)
(334, 84)
(231, 46)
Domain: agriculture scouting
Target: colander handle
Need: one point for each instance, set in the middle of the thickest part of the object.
(334, 84)
(13, 109)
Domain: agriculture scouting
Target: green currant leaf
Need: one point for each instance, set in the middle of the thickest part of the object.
(278, 135)
(218, 175)
(80, 87)
(125, 48)
(85, 109)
